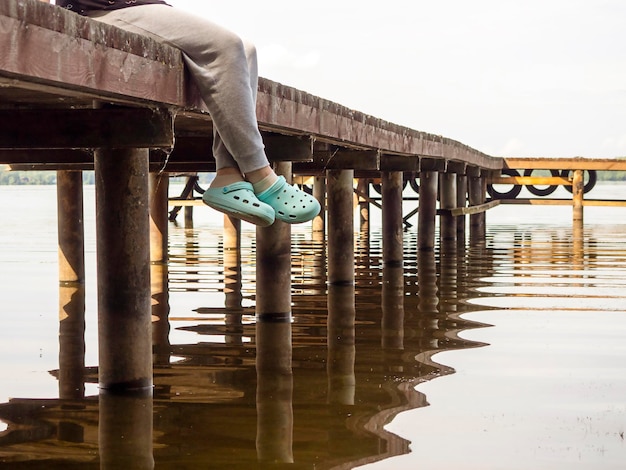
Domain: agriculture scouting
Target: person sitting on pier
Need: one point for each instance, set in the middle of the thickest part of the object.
(225, 71)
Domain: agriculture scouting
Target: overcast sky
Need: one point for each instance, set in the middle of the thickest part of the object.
(508, 77)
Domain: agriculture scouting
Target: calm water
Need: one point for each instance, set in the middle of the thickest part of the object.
(506, 355)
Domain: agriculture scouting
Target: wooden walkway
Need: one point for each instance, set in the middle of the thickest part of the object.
(79, 95)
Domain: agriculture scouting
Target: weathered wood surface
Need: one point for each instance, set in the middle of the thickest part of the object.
(563, 202)
(55, 58)
(531, 180)
(577, 163)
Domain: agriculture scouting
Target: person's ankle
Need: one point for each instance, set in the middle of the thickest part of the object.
(225, 177)
(265, 183)
(262, 178)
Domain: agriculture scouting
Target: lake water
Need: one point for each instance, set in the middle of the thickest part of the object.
(506, 355)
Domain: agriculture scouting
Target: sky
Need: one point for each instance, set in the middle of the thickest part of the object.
(540, 78)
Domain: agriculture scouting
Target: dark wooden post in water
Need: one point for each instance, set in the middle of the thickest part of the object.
(448, 191)
(159, 186)
(71, 230)
(393, 249)
(319, 222)
(363, 187)
(340, 227)
(273, 265)
(461, 201)
(578, 189)
(427, 210)
(71, 236)
(122, 221)
(477, 190)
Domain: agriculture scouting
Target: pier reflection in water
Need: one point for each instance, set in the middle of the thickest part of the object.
(315, 392)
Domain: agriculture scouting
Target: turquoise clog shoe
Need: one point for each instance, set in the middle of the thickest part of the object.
(238, 200)
(290, 204)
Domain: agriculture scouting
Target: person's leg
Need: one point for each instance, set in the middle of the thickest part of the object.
(225, 72)
(217, 60)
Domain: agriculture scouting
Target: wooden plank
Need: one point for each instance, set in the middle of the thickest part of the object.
(287, 148)
(46, 44)
(578, 163)
(339, 158)
(531, 180)
(86, 128)
(564, 202)
(52, 156)
(282, 107)
(409, 163)
(433, 164)
(478, 209)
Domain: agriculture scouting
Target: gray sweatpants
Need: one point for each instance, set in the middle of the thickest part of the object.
(224, 68)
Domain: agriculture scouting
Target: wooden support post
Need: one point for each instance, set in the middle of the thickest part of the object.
(341, 344)
(477, 190)
(123, 257)
(273, 272)
(319, 222)
(71, 236)
(71, 341)
(340, 227)
(447, 224)
(159, 277)
(159, 188)
(393, 249)
(363, 187)
(274, 394)
(427, 210)
(461, 201)
(71, 232)
(578, 190)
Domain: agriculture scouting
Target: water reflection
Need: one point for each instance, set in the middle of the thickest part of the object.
(314, 390)
(125, 432)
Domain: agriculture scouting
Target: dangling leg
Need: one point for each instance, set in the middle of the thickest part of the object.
(227, 80)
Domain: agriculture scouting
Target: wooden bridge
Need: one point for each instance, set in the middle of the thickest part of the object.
(78, 95)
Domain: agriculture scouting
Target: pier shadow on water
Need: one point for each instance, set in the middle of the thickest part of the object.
(313, 391)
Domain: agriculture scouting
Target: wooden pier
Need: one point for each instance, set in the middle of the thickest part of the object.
(79, 95)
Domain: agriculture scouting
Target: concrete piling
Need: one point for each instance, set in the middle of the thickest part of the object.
(273, 267)
(448, 192)
(393, 249)
(427, 210)
(340, 227)
(476, 193)
(123, 257)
